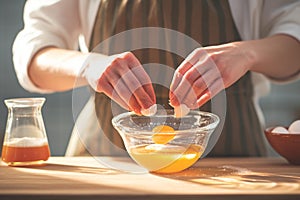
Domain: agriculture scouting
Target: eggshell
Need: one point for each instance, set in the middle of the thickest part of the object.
(295, 127)
(181, 110)
(149, 111)
(280, 129)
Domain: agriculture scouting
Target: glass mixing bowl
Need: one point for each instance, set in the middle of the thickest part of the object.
(163, 143)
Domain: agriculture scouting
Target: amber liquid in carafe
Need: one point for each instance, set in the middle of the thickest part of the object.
(25, 151)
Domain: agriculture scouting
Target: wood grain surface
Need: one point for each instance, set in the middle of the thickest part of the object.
(210, 178)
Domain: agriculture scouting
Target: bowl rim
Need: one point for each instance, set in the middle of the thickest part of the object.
(269, 132)
(208, 127)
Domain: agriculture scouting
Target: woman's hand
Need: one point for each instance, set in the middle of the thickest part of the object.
(122, 78)
(207, 71)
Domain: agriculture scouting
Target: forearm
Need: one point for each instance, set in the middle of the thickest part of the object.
(57, 69)
(277, 57)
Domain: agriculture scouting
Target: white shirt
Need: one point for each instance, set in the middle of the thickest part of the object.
(68, 24)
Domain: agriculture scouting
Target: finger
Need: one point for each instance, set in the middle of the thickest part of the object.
(192, 59)
(186, 85)
(177, 96)
(182, 69)
(178, 75)
(198, 87)
(179, 84)
(137, 80)
(145, 81)
(105, 87)
(127, 96)
(114, 78)
(135, 106)
(212, 91)
(139, 72)
(137, 90)
(190, 69)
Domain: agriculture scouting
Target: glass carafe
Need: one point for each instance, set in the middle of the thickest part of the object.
(25, 141)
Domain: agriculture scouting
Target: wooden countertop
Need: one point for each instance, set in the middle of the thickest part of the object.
(211, 178)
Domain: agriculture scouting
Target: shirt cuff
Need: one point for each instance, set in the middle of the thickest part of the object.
(22, 56)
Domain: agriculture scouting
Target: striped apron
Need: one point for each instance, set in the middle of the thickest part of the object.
(209, 22)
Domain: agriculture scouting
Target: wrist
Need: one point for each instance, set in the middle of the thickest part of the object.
(92, 68)
(250, 53)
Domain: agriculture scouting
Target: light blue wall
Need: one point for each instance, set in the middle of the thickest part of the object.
(281, 107)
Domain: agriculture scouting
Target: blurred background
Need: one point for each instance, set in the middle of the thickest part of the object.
(57, 110)
(280, 107)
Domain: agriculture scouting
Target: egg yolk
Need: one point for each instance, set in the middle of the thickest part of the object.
(162, 134)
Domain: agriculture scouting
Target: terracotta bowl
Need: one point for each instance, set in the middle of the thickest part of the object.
(286, 145)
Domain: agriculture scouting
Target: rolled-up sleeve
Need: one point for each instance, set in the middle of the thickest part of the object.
(281, 17)
(46, 23)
